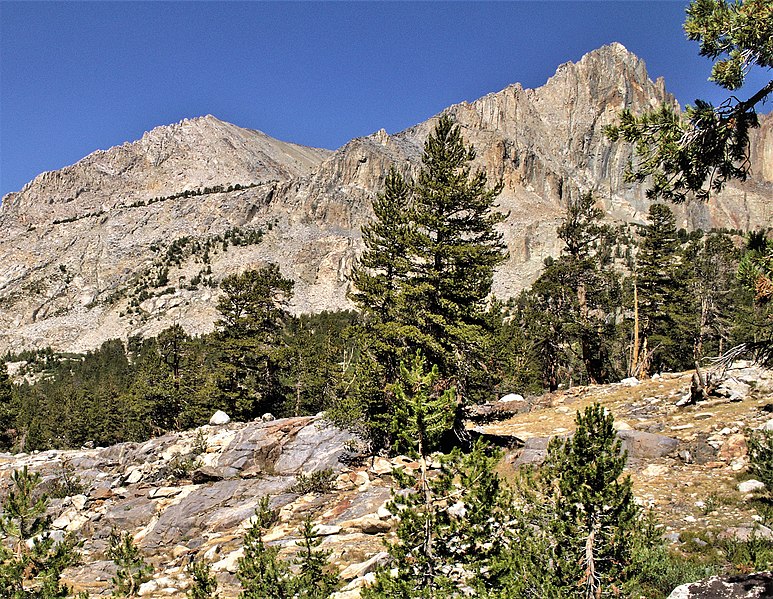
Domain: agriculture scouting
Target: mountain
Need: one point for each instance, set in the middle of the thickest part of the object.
(130, 240)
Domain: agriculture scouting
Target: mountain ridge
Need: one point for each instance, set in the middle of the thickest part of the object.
(80, 240)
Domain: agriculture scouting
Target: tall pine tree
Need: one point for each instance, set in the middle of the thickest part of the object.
(424, 277)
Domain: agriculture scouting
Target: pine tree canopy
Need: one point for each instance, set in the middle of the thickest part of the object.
(698, 152)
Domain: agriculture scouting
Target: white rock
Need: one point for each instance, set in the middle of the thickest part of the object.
(326, 530)
(79, 501)
(358, 570)
(621, 425)
(381, 466)
(219, 418)
(61, 522)
(512, 397)
(631, 381)
(751, 486)
(768, 426)
(655, 470)
(76, 522)
(134, 476)
(230, 562)
(148, 588)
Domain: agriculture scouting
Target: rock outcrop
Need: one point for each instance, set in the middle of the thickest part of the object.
(191, 495)
(749, 586)
(107, 248)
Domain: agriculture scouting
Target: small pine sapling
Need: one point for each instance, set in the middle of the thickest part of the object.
(315, 579)
(131, 568)
(204, 583)
(260, 572)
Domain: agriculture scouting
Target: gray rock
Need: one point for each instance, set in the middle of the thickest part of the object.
(317, 446)
(749, 586)
(220, 505)
(533, 451)
(207, 474)
(646, 446)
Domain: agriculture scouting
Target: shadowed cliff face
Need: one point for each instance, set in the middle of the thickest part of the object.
(76, 241)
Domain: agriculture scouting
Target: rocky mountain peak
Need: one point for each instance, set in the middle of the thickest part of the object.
(190, 155)
(83, 242)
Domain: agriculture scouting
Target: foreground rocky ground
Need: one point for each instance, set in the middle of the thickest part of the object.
(192, 494)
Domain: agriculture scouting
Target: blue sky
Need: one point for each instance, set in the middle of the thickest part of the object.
(81, 76)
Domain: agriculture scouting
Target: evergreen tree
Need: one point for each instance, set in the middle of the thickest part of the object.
(424, 277)
(260, 572)
(577, 519)
(667, 324)
(204, 582)
(315, 580)
(131, 568)
(250, 334)
(454, 251)
(31, 561)
(7, 409)
(698, 152)
(447, 520)
(451, 527)
(574, 304)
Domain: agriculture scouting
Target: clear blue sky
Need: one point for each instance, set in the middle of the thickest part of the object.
(76, 77)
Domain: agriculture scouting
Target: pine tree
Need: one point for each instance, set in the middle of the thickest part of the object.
(447, 519)
(578, 519)
(31, 561)
(451, 527)
(7, 409)
(250, 334)
(454, 251)
(664, 306)
(424, 277)
(698, 152)
(315, 580)
(131, 568)
(260, 571)
(574, 303)
(204, 582)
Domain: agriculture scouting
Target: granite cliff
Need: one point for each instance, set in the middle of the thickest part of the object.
(129, 240)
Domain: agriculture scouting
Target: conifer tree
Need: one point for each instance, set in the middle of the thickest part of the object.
(31, 561)
(7, 409)
(578, 519)
(131, 568)
(260, 572)
(454, 251)
(573, 304)
(664, 306)
(424, 277)
(204, 582)
(698, 152)
(315, 580)
(447, 520)
(253, 314)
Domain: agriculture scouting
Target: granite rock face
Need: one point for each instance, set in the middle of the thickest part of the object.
(84, 248)
(749, 586)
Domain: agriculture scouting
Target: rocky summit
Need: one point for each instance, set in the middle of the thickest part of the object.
(133, 239)
(192, 495)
